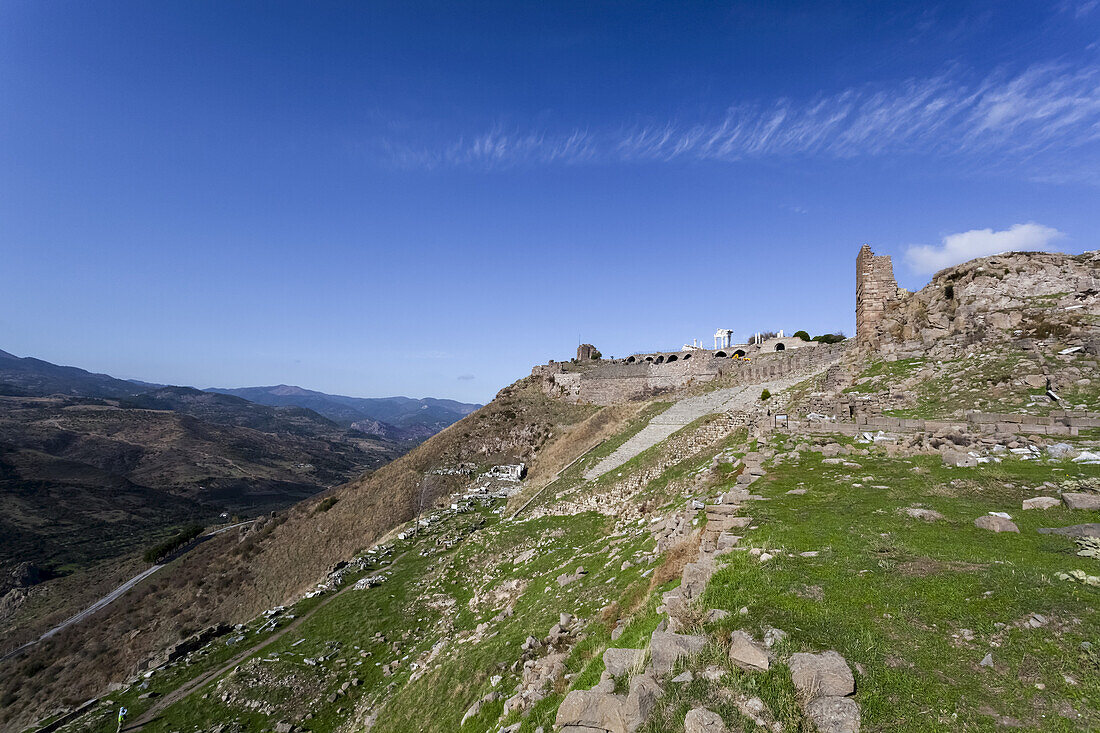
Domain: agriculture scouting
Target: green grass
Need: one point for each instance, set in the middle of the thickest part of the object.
(889, 592)
(883, 373)
(427, 601)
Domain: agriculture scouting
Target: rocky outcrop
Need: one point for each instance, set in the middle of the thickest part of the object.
(1028, 295)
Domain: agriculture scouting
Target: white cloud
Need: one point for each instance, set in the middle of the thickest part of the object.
(925, 259)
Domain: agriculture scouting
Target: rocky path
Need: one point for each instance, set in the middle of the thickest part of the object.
(684, 412)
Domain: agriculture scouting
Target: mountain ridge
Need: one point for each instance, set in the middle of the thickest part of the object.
(395, 417)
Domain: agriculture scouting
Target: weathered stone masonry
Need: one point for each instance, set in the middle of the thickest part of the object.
(611, 383)
(875, 287)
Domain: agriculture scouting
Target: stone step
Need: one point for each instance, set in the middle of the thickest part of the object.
(727, 523)
(716, 509)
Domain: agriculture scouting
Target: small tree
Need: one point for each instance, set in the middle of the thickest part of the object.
(596, 354)
(765, 395)
(801, 335)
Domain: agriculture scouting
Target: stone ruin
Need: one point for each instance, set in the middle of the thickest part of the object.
(586, 352)
(875, 287)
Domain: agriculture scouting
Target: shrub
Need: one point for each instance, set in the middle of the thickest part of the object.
(326, 504)
(830, 338)
(765, 395)
(173, 543)
(801, 335)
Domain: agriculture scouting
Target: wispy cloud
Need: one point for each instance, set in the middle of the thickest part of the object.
(926, 259)
(1046, 106)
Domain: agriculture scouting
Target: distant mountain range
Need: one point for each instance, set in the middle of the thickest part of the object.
(391, 417)
(91, 466)
(30, 377)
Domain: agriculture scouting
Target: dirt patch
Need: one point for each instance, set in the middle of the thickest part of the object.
(921, 567)
(812, 592)
(675, 559)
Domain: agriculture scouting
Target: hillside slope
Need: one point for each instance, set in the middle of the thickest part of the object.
(794, 559)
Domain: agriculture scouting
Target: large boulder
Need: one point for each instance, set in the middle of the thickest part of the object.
(701, 720)
(821, 675)
(665, 648)
(747, 654)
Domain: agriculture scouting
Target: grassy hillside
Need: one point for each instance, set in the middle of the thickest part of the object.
(913, 605)
(236, 576)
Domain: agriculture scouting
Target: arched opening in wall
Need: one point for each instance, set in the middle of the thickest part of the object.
(687, 356)
(671, 358)
(630, 360)
(720, 354)
(780, 346)
(658, 360)
(739, 352)
(649, 358)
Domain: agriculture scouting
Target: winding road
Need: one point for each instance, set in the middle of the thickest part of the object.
(114, 594)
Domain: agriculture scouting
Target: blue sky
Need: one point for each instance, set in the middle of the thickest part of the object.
(428, 198)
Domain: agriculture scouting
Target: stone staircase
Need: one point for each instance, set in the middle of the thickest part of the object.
(739, 404)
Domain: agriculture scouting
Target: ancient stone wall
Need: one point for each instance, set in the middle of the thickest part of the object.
(615, 382)
(875, 287)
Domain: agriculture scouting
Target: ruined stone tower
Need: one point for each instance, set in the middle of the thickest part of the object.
(875, 287)
(586, 352)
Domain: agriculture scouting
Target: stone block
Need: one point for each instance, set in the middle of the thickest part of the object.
(1074, 500)
(821, 675)
(666, 648)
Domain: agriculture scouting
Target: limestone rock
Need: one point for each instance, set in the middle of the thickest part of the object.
(821, 675)
(959, 459)
(1077, 530)
(747, 654)
(925, 515)
(773, 637)
(601, 709)
(996, 524)
(1041, 502)
(834, 714)
(619, 662)
(716, 614)
(1081, 501)
(701, 720)
(665, 648)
